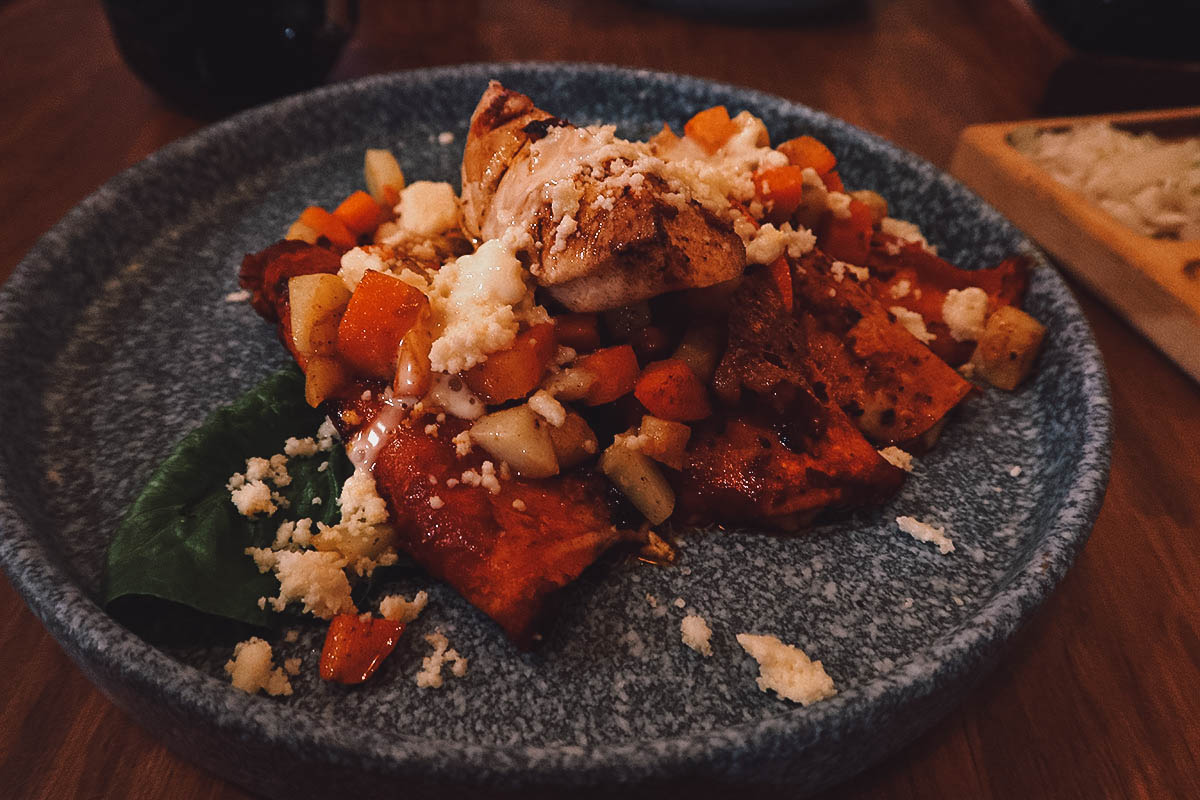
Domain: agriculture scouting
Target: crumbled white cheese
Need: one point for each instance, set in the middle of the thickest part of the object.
(519, 504)
(396, 608)
(906, 232)
(252, 498)
(913, 322)
(361, 503)
(430, 676)
(897, 458)
(273, 469)
(435, 502)
(445, 137)
(462, 444)
(316, 578)
(787, 670)
(768, 243)
(965, 312)
(293, 534)
(356, 262)
(900, 288)
(300, 447)
(326, 435)
(251, 669)
(924, 532)
(485, 477)
(548, 408)
(473, 299)
(696, 634)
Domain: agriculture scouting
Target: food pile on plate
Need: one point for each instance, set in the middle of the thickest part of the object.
(596, 338)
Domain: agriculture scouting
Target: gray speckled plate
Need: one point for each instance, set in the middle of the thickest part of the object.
(116, 339)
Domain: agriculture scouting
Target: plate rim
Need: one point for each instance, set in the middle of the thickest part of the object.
(84, 628)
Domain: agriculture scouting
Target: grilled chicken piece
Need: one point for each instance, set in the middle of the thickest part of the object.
(627, 241)
(502, 126)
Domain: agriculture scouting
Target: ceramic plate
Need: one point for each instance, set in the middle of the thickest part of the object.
(116, 339)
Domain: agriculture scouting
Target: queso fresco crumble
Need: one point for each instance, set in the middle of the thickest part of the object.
(494, 336)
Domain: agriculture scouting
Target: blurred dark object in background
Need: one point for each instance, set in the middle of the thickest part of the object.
(1133, 55)
(1153, 29)
(1099, 85)
(211, 57)
(764, 11)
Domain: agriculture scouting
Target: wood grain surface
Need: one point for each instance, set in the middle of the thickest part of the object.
(1098, 697)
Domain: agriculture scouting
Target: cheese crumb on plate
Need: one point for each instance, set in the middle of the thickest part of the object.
(924, 532)
(252, 669)
(786, 670)
(696, 634)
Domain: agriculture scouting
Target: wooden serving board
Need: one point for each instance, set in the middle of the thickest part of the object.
(1153, 283)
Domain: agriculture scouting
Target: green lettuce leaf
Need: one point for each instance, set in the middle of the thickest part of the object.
(177, 559)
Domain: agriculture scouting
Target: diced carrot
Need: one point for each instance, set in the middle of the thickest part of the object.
(579, 331)
(517, 371)
(780, 271)
(354, 648)
(664, 138)
(670, 390)
(711, 128)
(782, 187)
(360, 213)
(615, 370)
(847, 239)
(381, 310)
(329, 226)
(833, 181)
(805, 151)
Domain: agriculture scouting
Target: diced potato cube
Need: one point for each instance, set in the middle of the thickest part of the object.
(383, 176)
(640, 480)
(664, 440)
(317, 303)
(323, 376)
(1008, 347)
(520, 437)
(302, 232)
(570, 384)
(574, 442)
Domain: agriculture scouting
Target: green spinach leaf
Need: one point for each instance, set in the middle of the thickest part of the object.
(179, 549)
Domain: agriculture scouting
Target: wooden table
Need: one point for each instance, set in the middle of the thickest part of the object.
(1098, 697)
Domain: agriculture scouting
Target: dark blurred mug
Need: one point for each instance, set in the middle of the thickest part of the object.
(211, 57)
